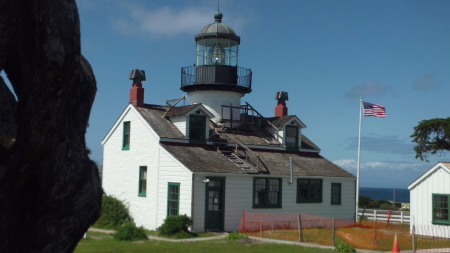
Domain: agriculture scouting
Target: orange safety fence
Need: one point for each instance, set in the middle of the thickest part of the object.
(363, 235)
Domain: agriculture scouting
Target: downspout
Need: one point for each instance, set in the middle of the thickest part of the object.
(291, 171)
(192, 202)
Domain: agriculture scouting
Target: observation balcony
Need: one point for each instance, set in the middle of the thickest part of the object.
(216, 77)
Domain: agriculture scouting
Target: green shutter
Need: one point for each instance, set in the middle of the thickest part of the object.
(291, 138)
(142, 192)
(173, 199)
(440, 209)
(336, 193)
(309, 190)
(126, 135)
(267, 192)
(197, 129)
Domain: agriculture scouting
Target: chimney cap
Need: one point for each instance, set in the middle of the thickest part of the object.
(281, 95)
(137, 75)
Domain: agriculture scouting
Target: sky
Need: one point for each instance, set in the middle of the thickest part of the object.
(325, 54)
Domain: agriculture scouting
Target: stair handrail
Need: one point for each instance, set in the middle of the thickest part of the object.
(270, 123)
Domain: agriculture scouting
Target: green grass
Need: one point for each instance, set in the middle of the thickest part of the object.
(108, 245)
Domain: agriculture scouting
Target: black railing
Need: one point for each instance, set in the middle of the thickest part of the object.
(216, 74)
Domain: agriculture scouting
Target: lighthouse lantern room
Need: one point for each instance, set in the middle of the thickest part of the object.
(216, 80)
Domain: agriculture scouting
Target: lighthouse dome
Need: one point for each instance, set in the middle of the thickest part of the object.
(217, 30)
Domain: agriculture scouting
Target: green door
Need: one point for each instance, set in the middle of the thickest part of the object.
(214, 206)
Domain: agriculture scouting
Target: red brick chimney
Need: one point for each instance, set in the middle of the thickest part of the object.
(136, 91)
(137, 94)
(281, 109)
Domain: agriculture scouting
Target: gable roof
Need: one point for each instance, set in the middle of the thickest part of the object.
(153, 114)
(183, 110)
(281, 121)
(207, 159)
(439, 165)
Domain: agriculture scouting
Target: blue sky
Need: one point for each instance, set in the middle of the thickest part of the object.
(325, 54)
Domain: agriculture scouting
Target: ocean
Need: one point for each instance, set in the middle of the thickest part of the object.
(401, 195)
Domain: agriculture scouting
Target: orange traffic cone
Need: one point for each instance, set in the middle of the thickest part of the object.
(395, 248)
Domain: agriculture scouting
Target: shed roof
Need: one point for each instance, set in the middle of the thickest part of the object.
(444, 165)
(207, 159)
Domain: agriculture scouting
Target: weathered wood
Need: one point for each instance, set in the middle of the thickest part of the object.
(49, 188)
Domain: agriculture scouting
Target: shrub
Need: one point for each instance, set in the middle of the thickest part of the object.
(175, 224)
(236, 236)
(183, 235)
(114, 213)
(129, 232)
(344, 247)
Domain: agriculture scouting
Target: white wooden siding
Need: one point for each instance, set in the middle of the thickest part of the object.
(181, 123)
(436, 182)
(239, 194)
(121, 168)
(171, 171)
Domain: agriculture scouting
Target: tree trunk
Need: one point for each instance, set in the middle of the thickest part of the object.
(49, 188)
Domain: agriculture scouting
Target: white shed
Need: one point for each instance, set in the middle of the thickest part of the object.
(429, 197)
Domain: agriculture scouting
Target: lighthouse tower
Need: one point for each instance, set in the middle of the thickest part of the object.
(216, 80)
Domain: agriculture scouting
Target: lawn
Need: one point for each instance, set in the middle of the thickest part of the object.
(99, 242)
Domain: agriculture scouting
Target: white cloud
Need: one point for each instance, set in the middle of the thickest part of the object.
(426, 83)
(367, 89)
(164, 21)
(351, 165)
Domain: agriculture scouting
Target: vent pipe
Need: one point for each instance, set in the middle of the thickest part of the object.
(136, 91)
(281, 109)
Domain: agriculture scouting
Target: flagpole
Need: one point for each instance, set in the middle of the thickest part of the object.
(359, 157)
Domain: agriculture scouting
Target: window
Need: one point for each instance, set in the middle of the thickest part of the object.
(292, 137)
(440, 209)
(336, 193)
(309, 190)
(267, 192)
(126, 135)
(173, 199)
(142, 181)
(197, 128)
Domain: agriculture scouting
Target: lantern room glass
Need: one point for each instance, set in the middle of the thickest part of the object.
(217, 51)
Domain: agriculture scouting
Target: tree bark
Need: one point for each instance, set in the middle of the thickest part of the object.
(50, 190)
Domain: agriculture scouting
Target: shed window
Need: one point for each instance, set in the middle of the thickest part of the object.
(126, 135)
(309, 190)
(173, 199)
(266, 192)
(142, 181)
(440, 209)
(336, 193)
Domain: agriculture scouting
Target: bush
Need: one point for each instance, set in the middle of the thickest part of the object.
(183, 235)
(175, 224)
(236, 236)
(129, 232)
(114, 213)
(344, 247)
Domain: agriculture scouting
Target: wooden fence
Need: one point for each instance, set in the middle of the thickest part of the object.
(384, 215)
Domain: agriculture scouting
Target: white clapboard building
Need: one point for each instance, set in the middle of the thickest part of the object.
(430, 198)
(217, 157)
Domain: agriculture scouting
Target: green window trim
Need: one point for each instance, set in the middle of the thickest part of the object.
(292, 144)
(173, 199)
(197, 129)
(440, 210)
(142, 191)
(309, 190)
(126, 135)
(267, 192)
(336, 193)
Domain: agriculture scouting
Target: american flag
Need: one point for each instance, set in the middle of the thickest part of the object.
(374, 110)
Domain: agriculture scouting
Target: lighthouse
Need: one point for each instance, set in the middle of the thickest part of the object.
(216, 80)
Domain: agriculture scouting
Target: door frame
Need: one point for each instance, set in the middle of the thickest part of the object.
(222, 200)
